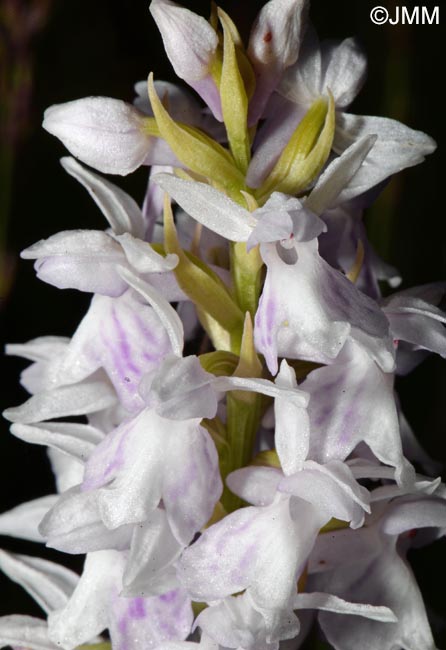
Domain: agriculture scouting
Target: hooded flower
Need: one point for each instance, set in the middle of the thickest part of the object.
(338, 69)
(263, 548)
(133, 623)
(375, 567)
(88, 259)
(352, 401)
(326, 307)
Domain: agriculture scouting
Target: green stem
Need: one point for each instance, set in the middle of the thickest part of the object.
(242, 423)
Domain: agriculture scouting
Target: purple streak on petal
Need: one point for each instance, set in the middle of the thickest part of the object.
(238, 574)
(265, 329)
(324, 414)
(240, 530)
(137, 608)
(113, 466)
(169, 596)
(270, 319)
(181, 486)
(124, 346)
(139, 322)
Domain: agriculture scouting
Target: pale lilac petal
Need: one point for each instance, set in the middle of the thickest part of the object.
(424, 513)
(338, 175)
(224, 559)
(352, 401)
(151, 458)
(191, 482)
(44, 351)
(345, 67)
(134, 623)
(87, 397)
(210, 94)
(23, 520)
(119, 208)
(328, 553)
(283, 217)
(87, 612)
(166, 313)
(292, 432)
(42, 348)
(274, 46)
(209, 207)
(396, 148)
(325, 306)
(105, 133)
(86, 260)
(288, 543)
(420, 487)
(336, 67)
(302, 83)
(25, 632)
(167, 285)
(142, 257)
(331, 489)
(128, 466)
(144, 623)
(76, 440)
(417, 322)
(67, 470)
(272, 226)
(150, 568)
(236, 623)
(73, 525)
(49, 584)
(262, 386)
(431, 294)
(180, 389)
(189, 40)
(384, 581)
(255, 548)
(276, 33)
(124, 337)
(330, 603)
(256, 485)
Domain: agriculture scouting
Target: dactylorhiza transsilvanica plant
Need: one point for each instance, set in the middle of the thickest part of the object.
(218, 495)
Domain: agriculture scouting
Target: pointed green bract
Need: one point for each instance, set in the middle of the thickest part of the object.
(220, 338)
(305, 154)
(249, 364)
(246, 271)
(200, 283)
(195, 149)
(234, 101)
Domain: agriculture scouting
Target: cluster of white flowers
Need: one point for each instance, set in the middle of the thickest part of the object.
(217, 495)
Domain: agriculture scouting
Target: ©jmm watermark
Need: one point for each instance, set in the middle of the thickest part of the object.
(406, 16)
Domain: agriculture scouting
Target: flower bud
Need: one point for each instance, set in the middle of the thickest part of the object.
(105, 133)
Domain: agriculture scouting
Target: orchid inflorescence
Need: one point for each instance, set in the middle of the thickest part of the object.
(227, 498)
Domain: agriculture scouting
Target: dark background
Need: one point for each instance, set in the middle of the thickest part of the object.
(102, 48)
